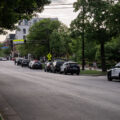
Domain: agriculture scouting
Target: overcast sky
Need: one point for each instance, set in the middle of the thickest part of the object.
(64, 15)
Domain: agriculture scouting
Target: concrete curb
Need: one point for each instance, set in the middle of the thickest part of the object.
(6, 110)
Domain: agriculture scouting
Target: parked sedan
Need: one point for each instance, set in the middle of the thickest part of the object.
(25, 62)
(114, 73)
(70, 67)
(35, 64)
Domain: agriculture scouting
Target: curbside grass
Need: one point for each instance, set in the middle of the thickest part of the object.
(92, 72)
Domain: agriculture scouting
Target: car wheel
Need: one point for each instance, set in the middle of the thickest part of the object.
(65, 72)
(109, 76)
(71, 73)
(54, 71)
(78, 73)
(119, 76)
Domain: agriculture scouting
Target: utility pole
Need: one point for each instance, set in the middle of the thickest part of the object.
(83, 40)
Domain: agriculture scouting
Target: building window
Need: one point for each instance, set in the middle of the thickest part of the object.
(26, 22)
(24, 31)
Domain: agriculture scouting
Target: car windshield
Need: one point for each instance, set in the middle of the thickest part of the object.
(37, 62)
(117, 65)
(25, 60)
(60, 63)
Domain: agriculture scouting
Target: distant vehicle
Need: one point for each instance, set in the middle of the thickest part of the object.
(3, 59)
(35, 64)
(114, 73)
(47, 66)
(0, 58)
(25, 62)
(70, 67)
(55, 66)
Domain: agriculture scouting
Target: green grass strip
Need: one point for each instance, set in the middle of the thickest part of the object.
(92, 72)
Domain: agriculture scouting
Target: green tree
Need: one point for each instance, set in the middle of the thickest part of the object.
(15, 10)
(96, 17)
(47, 36)
(60, 42)
(78, 26)
(40, 35)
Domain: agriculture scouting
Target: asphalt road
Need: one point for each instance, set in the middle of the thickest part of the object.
(36, 95)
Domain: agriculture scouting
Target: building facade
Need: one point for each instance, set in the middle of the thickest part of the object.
(24, 25)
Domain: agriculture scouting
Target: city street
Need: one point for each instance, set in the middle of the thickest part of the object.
(37, 95)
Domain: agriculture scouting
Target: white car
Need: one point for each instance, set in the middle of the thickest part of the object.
(114, 73)
(31, 64)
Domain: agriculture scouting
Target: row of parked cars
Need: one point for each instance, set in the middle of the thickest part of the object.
(56, 66)
(33, 64)
(62, 67)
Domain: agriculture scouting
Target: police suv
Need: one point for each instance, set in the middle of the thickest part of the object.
(114, 73)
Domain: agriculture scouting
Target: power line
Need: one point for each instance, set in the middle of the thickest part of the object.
(59, 4)
(59, 8)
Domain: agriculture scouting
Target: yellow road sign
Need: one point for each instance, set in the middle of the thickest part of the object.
(49, 56)
(20, 41)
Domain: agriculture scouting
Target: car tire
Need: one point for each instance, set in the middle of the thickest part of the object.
(78, 73)
(65, 72)
(71, 73)
(109, 76)
(54, 71)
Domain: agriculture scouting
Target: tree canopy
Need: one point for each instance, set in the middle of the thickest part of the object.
(47, 36)
(97, 21)
(11, 11)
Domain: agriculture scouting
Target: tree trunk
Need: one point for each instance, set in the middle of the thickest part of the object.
(83, 41)
(83, 53)
(103, 62)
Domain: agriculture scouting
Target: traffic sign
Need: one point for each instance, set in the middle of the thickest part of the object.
(49, 56)
(21, 41)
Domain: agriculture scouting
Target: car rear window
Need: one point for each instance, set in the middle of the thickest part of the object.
(60, 63)
(73, 64)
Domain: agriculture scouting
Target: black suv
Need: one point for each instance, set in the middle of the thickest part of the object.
(18, 61)
(70, 67)
(25, 62)
(55, 67)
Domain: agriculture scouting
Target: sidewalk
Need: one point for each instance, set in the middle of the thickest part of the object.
(6, 110)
